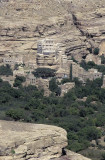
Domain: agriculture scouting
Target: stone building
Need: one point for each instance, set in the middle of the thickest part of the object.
(47, 47)
(50, 52)
(30, 79)
(40, 83)
(43, 84)
(66, 87)
(13, 59)
(62, 73)
(30, 61)
(19, 72)
(78, 71)
(47, 53)
(94, 74)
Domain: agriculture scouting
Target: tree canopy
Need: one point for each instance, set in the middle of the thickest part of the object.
(44, 72)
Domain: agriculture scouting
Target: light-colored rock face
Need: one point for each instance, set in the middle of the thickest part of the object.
(25, 141)
(21, 141)
(77, 24)
(102, 48)
(74, 156)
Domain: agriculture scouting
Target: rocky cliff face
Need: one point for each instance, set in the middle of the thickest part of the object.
(25, 141)
(22, 141)
(77, 24)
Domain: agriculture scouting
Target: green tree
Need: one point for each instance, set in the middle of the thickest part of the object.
(16, 114)
(102, 59)
(103, 156)
(18, 81)
(83, 65)
(71, 77)
(73, 59)
(65, 80)
(44, 72)
(54, 87)
(6, 70)
(96, 51)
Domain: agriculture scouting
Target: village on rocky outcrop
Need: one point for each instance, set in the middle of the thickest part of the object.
(48, 54)
(31, 37)
(31, 41)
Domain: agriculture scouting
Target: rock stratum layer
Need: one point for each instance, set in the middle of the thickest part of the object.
(25, 141)
(77, 24)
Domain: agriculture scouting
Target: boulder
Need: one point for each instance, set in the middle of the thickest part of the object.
(21, 141)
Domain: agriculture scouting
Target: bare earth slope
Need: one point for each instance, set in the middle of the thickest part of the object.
(79, 24)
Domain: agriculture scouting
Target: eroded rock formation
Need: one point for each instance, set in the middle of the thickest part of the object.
(25, 141)
(77, 24)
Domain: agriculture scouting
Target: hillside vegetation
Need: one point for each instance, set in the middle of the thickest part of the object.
(81, 119)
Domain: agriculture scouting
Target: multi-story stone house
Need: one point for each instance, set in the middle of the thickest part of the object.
(47, 47)
(13, 59)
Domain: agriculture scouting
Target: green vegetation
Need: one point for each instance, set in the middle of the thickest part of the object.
(53, 86)
(74, 60)
(103, 156)
(6, 70)
(79, 118)
(18, 81)
(71, 77)
(89, 49)
(65, 80)
(91, 64)
(88, 65)
(96, 51)
(44, 72)
(102, 59)
(13, 151)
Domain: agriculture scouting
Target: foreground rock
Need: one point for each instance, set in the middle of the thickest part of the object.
(22, 141)
(72, 156)
(25, 141)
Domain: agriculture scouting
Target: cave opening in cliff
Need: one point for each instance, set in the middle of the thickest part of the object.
(63, 152)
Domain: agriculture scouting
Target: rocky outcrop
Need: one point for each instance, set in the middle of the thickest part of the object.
(24, 141)
(74, 156)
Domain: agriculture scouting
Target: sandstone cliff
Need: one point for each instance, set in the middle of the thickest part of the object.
(25, 141)
(22, 141)
(77, 24)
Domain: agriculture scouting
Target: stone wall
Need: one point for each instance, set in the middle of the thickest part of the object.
(66, 87)
(43, 84)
